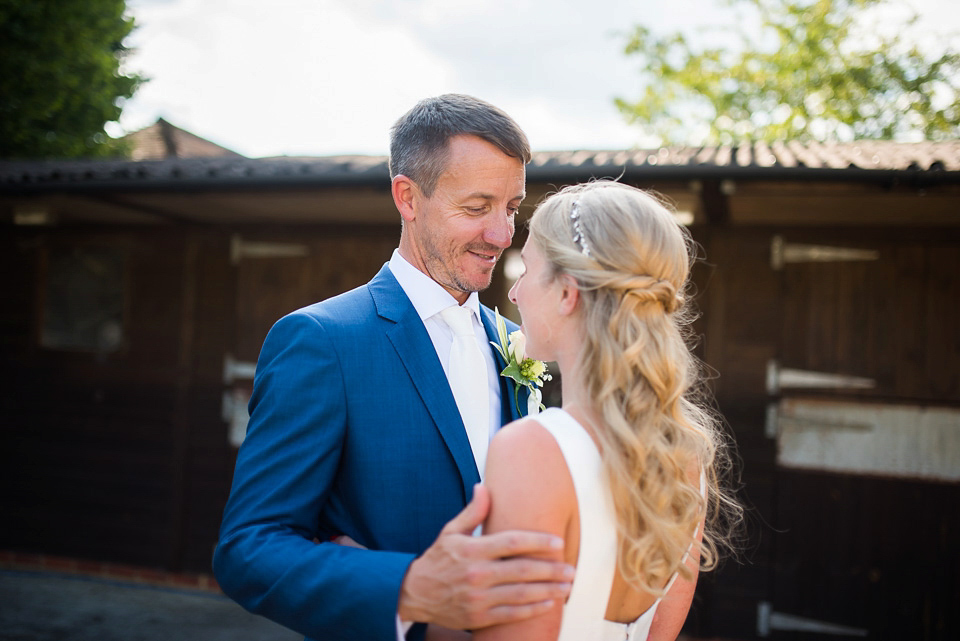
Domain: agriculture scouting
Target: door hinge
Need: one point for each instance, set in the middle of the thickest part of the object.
(782, 252)
(780, 378)
(768, 620)
(240, 248)
(237, 370)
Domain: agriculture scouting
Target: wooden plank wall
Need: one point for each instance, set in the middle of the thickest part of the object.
(737, 295)
(337, 260)
(205, 463)
(89, 439)
(872, 553)
(124, 456)
(892, 320)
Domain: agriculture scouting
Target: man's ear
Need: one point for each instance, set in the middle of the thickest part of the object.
(405, 193)
(569, 295)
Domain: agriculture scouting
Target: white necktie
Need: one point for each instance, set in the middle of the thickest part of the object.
(467, 372)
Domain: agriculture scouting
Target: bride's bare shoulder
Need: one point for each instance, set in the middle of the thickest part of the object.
(526, 432)
(529, 482)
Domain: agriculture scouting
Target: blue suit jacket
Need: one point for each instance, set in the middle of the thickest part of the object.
(353, 430)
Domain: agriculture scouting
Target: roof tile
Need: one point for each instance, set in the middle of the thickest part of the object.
(759, 156)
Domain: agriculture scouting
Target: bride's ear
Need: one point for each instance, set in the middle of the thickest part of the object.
(569, 295)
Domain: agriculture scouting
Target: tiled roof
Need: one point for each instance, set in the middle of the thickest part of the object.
(162, 140)
(195, 172)
(863, 160)
(865, 154)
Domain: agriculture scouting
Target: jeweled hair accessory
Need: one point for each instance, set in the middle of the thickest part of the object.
(578, 237)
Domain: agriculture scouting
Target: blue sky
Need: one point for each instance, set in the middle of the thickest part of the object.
(326, 77)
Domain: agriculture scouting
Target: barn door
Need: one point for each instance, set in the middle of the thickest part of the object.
(821, 296)
(271, 278)
(278, 273)
(868, 443)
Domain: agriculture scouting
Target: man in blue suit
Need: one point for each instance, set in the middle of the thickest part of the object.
(355, 434)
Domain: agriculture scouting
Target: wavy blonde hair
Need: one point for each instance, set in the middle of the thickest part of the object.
(658, 434)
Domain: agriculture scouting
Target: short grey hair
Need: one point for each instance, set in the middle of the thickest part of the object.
(419, 140)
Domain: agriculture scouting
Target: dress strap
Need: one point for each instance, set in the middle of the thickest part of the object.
(583, 615)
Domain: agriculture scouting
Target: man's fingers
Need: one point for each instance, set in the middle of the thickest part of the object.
(525, 594)
(518, 543)
(506, 603)
(526, 571)
(472, 515)
(468, 582)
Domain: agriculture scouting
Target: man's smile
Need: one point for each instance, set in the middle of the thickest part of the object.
(487, 256)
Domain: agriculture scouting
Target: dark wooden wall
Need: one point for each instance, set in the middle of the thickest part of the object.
(867, 552)
(336, 260)
(123, 456)
(105, 455)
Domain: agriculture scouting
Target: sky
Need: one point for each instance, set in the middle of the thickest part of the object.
(329, 77)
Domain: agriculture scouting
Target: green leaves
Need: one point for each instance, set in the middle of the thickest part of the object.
(60, 76)
(816, 72)
(525, 372)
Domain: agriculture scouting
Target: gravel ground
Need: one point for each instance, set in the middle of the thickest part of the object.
(44, 606)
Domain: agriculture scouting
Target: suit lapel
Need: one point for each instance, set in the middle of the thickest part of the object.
(508, 387)
(415, 349)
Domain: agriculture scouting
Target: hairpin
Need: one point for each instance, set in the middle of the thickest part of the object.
(578, 236)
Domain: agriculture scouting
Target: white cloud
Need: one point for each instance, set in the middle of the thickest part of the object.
(317, 77)
(282, 77)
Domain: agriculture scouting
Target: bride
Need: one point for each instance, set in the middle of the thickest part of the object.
(627, 471)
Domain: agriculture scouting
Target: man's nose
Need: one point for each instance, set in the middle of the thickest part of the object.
(499, 231)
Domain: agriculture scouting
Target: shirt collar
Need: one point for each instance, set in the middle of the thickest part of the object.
(427, 296)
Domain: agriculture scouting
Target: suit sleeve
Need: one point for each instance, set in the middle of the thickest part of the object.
(266, 558)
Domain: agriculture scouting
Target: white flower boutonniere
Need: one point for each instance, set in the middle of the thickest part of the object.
(524, 371)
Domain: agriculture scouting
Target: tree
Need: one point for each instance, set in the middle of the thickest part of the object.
(816, 73)
(60, 78)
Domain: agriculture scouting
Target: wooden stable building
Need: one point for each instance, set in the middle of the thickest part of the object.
(137, 294)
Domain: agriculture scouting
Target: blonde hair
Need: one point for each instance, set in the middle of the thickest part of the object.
(631, 261)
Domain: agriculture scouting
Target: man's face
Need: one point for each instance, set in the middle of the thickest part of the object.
(459, 232)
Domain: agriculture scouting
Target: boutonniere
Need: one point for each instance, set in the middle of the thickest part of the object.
(526, 372)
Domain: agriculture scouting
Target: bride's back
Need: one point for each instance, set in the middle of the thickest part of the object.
(604, 297)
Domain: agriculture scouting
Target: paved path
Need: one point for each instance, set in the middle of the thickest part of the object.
(45, 606)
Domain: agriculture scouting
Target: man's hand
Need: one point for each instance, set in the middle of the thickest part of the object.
(466, 582)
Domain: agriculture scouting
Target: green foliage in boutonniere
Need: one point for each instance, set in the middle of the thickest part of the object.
(526, 372)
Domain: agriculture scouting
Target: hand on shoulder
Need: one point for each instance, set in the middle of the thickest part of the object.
(530, 489)
(468, 582)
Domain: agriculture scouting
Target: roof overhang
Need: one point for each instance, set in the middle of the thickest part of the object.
(356, 189)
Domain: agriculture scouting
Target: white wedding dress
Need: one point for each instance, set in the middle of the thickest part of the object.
(583, 614)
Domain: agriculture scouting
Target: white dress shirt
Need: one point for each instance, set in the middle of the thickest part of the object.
(429, 299)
